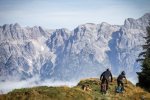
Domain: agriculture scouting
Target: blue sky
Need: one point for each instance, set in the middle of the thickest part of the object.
(69, 14)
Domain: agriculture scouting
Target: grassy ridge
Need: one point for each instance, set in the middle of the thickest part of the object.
(77, 93)
(47, 93)
(131, 91)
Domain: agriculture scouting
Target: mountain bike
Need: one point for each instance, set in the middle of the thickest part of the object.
(103, 87)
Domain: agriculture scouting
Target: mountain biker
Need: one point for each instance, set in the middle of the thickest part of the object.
(105, 78)
(120, 79)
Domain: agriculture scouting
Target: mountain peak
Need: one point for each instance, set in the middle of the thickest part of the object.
(147, 15)
(105, 24)
(17, 25)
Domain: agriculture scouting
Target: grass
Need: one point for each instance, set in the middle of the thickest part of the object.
(77, 93)
(131, 91)
(47, 93)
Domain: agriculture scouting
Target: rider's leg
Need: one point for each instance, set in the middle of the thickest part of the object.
(122, 85)
(102, 84)
(118, 83)
(106, 84)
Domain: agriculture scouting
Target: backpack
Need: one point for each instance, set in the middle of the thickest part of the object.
(119, 89)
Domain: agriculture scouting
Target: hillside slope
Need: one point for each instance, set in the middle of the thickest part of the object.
(77, 93)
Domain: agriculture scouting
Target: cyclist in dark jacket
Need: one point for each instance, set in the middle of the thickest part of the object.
(105, 78)
(120, 79)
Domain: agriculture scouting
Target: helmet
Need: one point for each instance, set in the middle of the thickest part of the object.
(107, 69)
(123, 73)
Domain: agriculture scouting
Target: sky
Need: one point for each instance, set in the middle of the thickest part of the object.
(55, 14)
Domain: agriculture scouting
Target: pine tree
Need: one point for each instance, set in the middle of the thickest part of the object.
(144, 75)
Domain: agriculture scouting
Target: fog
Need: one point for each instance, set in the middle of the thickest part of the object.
(8, 86)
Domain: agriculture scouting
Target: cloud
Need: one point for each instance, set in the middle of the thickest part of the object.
(8, 86)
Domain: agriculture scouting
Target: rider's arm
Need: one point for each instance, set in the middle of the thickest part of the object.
(101, 76)
(111, 77)
(125, 79)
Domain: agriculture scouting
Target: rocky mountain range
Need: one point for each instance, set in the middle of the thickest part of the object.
(61, 54)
